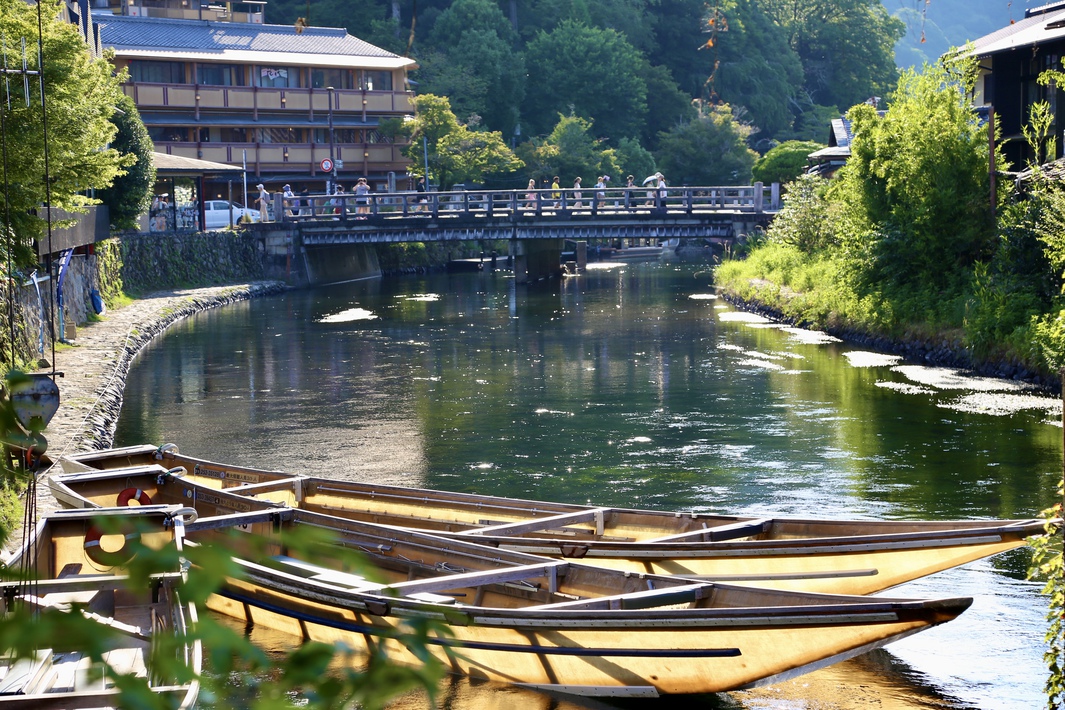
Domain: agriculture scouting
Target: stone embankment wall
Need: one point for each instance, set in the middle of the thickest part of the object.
(128, 263)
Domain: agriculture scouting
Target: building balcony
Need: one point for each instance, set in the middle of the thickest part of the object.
(253, 99)
(264, 159)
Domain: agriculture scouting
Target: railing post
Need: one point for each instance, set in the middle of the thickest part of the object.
(688, 197)
(774, 200)
(279, 208)
(759, 192)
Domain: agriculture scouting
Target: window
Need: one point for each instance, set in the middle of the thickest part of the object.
(233, 135)
(220, 74)
(376, 80)
(143, 70)
(279, 135)
(340, 135)
(278, 77)
(337, 78)
(168, 134)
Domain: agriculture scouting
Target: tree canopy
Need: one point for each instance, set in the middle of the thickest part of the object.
(711, 150)
(587, 71)
(569, 151)
(455, 152)
(131, 194)
(80, 95)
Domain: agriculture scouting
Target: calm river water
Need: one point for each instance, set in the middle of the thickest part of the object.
(631, 386)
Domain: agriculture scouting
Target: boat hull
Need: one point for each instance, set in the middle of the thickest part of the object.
(843, 557)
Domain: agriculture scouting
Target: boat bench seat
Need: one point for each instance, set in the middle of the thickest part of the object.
(350, 581)
(27, 675)
(649, 599)
(732, 531)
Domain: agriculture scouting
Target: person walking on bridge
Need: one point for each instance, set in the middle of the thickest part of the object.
(556, 193)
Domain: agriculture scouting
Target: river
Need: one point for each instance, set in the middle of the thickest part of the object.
(632, 385)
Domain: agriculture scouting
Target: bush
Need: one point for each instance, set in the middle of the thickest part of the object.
(785, 162)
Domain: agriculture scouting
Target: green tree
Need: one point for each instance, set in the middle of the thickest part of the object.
(916, 185)
(756, 68)
(633, 159)
(569, 151)
(81, 95)
(131, 194)
(668, 106)
(711, 150)
(476, 64)
(589, 72)
(846, 46)
(456, 153)
(785, 162)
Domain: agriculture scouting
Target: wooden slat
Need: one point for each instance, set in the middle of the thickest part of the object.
(720, 532)
(684, 594)
(475, 579)
(232, 520)
(596, 514)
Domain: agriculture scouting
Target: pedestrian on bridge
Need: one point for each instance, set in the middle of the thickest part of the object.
(556, 193)
(362, 198)
(264, 203)
(576, 192)
(289, 203)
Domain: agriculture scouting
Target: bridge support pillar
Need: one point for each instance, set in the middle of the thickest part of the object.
(329, 264)
(581, 256)
(536, 259)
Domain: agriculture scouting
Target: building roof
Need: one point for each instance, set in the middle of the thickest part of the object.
(166, 164)
(1032, 30)
(196, 40)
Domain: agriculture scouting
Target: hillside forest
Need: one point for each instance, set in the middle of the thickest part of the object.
(639, 69)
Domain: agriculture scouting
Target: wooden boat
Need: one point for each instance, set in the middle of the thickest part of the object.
(518, 618)
(831, 556)
(67, 561)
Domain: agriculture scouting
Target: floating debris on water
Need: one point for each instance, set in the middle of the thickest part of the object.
(997, 404)
(810, 337)
(946, 379)
(862, 358)
(352, 314)
(742, 317)
(756, 362)
(904, 388)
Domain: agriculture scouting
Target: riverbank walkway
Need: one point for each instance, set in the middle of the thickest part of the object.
(95, 368)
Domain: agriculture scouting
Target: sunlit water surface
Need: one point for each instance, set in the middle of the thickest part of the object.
(632, 386)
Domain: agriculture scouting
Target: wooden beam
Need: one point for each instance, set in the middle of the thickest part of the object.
(596, 514)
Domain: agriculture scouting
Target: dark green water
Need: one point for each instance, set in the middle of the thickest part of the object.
(632, 387)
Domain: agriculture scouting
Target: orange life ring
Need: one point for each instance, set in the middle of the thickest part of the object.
(102, 557)
(133, 493)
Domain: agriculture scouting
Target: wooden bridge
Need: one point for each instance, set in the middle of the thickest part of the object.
(324, 233)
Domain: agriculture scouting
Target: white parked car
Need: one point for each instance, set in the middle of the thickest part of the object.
(216, 214)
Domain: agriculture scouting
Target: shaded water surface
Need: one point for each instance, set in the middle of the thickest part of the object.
(631, 386)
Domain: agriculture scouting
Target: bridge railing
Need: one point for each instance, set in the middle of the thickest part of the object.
(756, 199)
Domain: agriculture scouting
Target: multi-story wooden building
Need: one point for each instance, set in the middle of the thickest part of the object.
(1011, 60)
(215, 82)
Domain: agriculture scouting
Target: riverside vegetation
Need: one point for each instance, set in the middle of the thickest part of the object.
(907, 244)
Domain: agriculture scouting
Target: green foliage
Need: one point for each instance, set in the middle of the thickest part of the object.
(633, 160)
(570, 151)
(804, 221)
(785, 162)
(480, 70)
(668, 105)
(456, 153)
(710, 150)
(131, 194)
(846, 47)
(588, 72)
(1047, 565)
(757, 69)
(82, 93)
(916, 188)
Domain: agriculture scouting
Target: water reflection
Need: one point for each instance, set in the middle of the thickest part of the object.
(619, 388)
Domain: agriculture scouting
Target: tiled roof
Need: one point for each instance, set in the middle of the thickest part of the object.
(235, 41)
(1036, 29)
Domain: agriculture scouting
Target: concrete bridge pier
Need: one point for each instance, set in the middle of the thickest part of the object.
(346, 262)
(536, 259)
